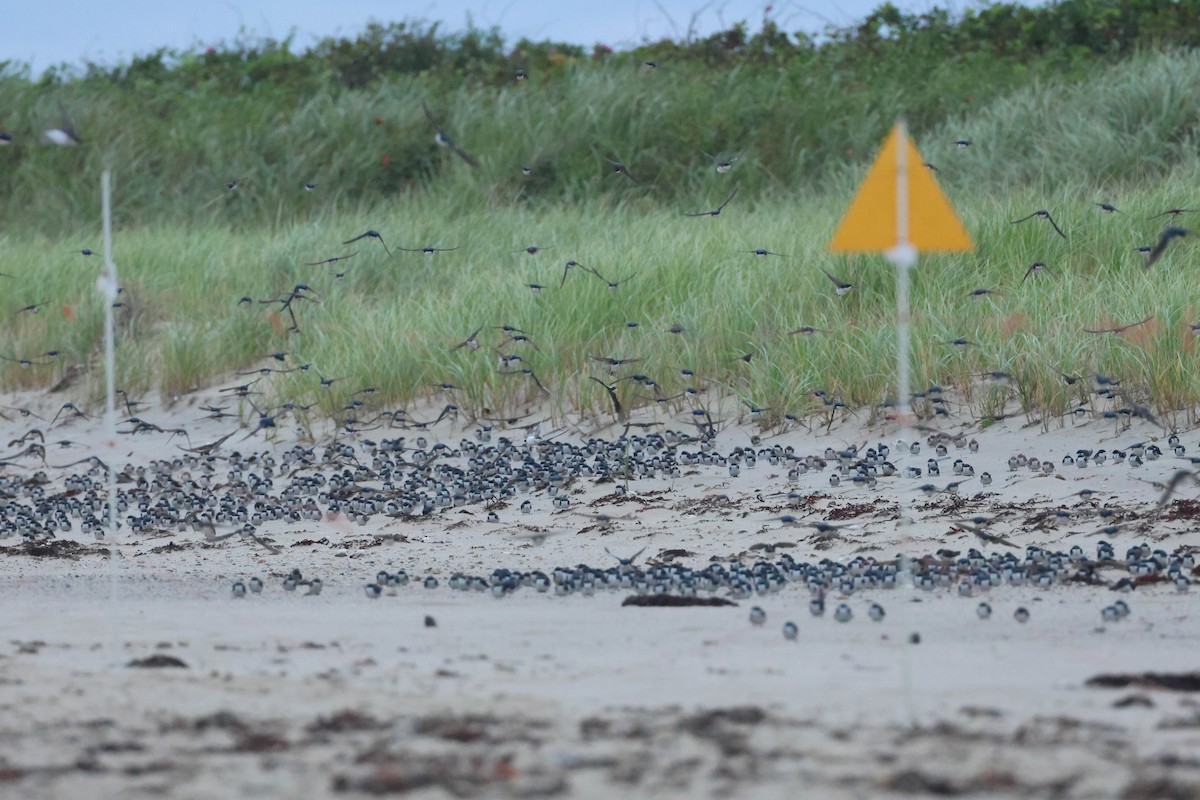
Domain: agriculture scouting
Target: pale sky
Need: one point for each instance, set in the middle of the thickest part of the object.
(46, 32)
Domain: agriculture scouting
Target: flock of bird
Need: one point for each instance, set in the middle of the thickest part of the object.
(224, 494)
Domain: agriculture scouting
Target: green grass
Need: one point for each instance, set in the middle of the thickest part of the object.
(1123, 135)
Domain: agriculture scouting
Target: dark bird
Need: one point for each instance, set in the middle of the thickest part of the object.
(1036, 266)
(762, 253)
(331, 260)
(962, 144)
(1174, 212)
(716, 211)
(620, 168)
(612, 395)
(570, 265)
(1042, 214)
(1108, 208)
(64, 135)
(723, 165)
(470, 341)
(233, 184)
(370, 235)
(841, 286)
(985, 293)
(1119, 329)
(445, 141)
(427, 250)
(613, 285)
(1164, 239)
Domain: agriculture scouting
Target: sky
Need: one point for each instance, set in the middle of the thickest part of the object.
(51, 32)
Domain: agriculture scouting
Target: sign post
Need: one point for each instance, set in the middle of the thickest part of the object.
(900, 212)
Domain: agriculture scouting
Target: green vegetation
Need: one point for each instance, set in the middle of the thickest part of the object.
(1066, 106)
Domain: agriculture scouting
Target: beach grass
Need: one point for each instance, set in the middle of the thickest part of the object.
(691, 306)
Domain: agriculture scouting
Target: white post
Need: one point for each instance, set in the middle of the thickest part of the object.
(107, 287)
(904, 257)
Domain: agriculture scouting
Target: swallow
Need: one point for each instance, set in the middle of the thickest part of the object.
(723, 165)
(962, 144)
(612, 395)
(5, 138)
(961, 344)
(32, 308)
(930, 166)
(807, 330)
(1164, 239)
(625, 562)
(1174, 212)
(1179, 477)
(87, 251)
(613, 285)
(233, 184)
(841, 286)
(716, 211)
(976, 293)
(530, 373)
(570, 265)
(64, 135)
(983, 534)
(1069, 380)
(308, 187)
(331, 260)
(443, 140)
(532, 249)
(370, 235)
(1119, 329)
(620, 169)
(1036, 266)
(470, 341)
(762, 253)
(427, 250)
(1042, 214)
(1108, 208)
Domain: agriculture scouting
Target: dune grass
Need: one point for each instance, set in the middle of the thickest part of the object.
(688, 297)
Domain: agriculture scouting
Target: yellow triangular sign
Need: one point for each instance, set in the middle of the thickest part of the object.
(870, 224)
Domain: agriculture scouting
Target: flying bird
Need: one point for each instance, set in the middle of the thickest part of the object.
(1042, 214)
(64, 135)
(443, 140)
(1164, 239)
(841, 286)
(723, 165)
(1119, 329)
(716, 211)
(370, 235)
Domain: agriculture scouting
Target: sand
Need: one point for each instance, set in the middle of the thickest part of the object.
(531, 695)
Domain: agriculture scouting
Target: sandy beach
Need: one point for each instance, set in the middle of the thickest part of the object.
(431, 693)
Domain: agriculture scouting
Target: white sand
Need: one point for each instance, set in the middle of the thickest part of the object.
(533, 695)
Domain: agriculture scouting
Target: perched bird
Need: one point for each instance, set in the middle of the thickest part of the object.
(983, 611)
(373, 590)
(1021, 615)
(790, 631)
(757, 616)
